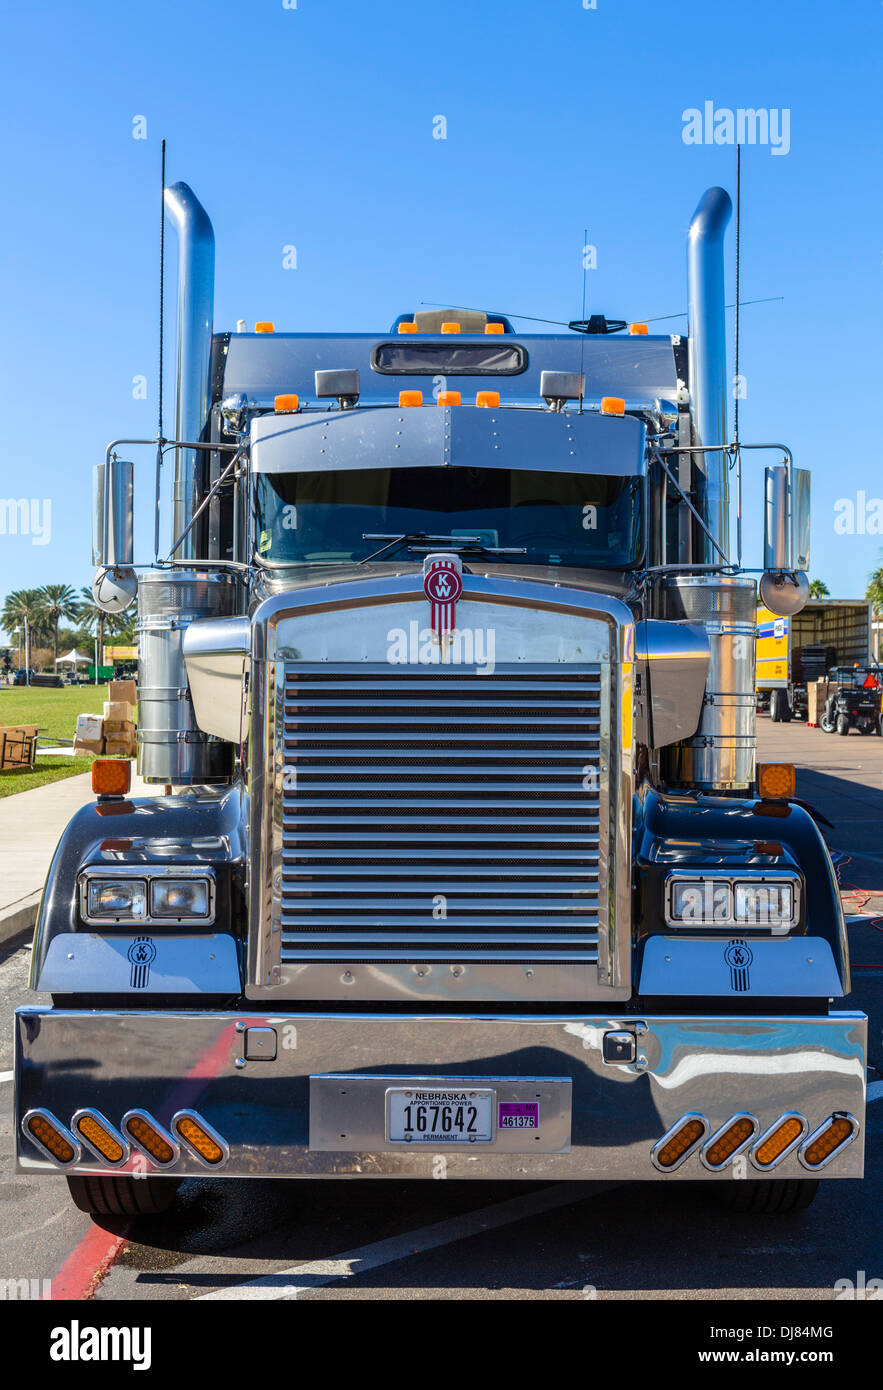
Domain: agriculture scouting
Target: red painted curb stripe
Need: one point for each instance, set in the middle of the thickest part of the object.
(87, 1264)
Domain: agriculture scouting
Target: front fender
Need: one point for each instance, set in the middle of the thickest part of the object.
(197, 826)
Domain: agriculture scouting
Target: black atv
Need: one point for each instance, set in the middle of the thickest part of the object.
(856, 704)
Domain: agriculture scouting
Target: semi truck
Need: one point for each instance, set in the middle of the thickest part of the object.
(806, 646)
(455, 857)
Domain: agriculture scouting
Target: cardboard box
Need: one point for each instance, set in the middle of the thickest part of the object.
(117, 710)
(119, 729)
(93, 746)
(89, 727)
(124, 690)
(121, 745)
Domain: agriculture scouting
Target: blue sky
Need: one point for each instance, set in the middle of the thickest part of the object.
(313, 126)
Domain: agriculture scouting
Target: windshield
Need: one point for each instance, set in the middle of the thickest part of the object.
(556, 518)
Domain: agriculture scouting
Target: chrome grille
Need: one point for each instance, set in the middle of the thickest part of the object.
(433, 814)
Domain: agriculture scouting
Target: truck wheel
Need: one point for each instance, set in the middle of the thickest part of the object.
(843, 724)
(119, 1196)
(771, 1196)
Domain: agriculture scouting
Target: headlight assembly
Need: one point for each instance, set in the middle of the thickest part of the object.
(766, 900)
(149, 895)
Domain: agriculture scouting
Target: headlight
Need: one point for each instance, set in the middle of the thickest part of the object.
(770, 900)
(117, 897)
(765, 904)
(179, 897)
(699, 902)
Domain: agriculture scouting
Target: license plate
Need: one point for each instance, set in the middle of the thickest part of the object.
(439, 1116)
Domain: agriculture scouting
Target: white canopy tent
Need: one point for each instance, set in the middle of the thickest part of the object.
(75, 658)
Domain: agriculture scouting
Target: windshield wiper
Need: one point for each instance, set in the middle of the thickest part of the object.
(421, 541)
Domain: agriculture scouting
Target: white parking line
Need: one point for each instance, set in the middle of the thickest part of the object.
(6, 1075)
(875, 1091)
(288, 1283)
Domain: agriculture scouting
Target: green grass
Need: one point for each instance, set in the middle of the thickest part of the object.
(24, 779)
(55, 713)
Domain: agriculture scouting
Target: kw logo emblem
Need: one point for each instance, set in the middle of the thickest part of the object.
(442, 585)
(739, 956)
(142, 954)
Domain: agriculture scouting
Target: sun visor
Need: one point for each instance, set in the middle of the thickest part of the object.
(437, 437)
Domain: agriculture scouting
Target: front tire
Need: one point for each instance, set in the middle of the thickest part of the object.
(770, 1196)
(843, 725)
(780, 710)
(828, 723)
(122, 1196)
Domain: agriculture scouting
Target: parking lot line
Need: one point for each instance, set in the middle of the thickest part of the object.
(302, 1278)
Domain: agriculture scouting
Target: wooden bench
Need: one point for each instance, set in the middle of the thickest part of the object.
(18, 746)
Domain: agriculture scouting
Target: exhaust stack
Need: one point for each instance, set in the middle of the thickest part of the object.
(196, 288)
(708, 362)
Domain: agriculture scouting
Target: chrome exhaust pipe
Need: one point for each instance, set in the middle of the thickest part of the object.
(196, 289)
(708, 362)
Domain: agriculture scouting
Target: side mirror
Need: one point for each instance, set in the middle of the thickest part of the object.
(784, 588)
(120, 532)
(114, 586)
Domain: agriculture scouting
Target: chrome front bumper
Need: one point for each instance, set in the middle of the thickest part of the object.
(215, 1065)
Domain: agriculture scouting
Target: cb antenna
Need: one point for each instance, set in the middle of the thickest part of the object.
(582, 341)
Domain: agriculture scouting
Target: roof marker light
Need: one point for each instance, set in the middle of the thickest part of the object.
(283, 405)
(448, 398)
(488, 398)
(450, 328)
(407, 326)
(494, 328)
(265, 326)
(408, 398)
(638, 329)
(612, 405)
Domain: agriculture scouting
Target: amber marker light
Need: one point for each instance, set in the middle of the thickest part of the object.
(199, 1137)
(448, 398)
(149, 1138)
(734, 1137)
(50, 1136)
(637, 330)
(671, 1151)
(776, 781)
(778, 1141)
(612, 405)
(825, 1143)
(407, 326)
(410, 398)
(265, 326)
(111, 776)
(494, 328)
(100, 1137)
(491, 399)
(450, 328)
(283, 404)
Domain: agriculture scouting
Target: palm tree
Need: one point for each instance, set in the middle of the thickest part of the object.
(23, 609)
(819, 589)
(874, 591)
(58, 601)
